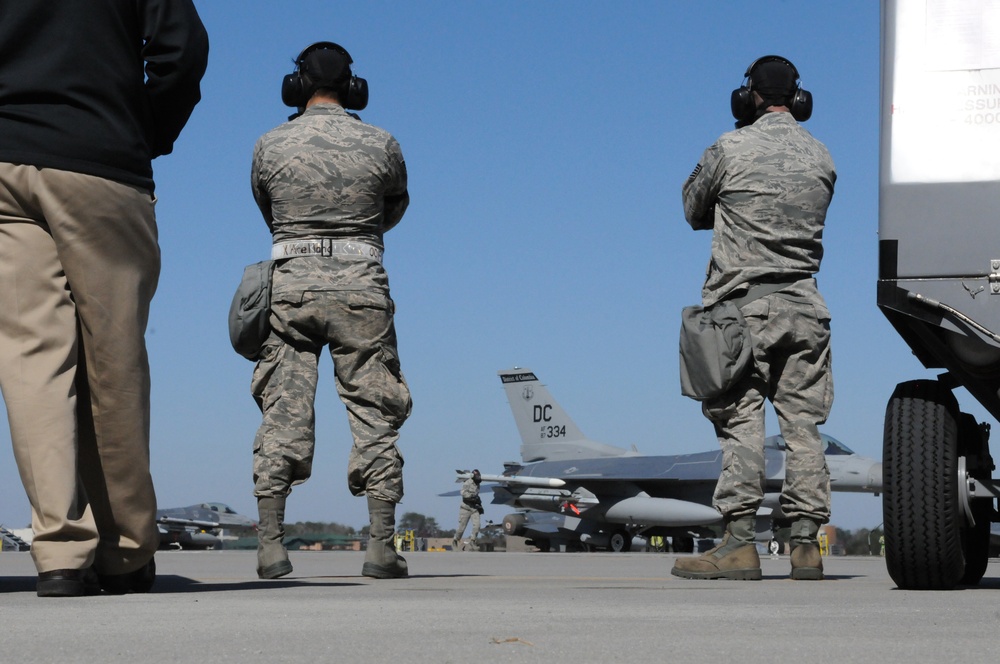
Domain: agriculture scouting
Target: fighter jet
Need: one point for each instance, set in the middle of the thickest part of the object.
(198, 526)
(571, 488)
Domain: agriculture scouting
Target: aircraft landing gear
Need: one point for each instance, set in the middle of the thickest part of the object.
(682, 545)
(975, 462)
(620, 541)
(931, 455)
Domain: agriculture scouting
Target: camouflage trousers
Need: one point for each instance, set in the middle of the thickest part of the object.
(357, 327)
(792, 369)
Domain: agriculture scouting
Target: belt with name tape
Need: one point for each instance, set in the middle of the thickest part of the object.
(326, 248)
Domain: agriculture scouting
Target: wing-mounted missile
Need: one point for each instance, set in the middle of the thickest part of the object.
(196, 523)
(514, 480)
(541, 482)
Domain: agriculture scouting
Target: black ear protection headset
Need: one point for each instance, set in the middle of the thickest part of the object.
(742, 103)
(299, 86)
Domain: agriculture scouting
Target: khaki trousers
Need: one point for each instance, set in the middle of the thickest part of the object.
(79, 263)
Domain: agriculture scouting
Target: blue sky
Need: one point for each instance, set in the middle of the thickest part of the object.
(546, 144)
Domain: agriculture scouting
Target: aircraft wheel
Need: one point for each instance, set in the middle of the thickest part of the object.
(775, 547)
(976, 545)
(974, 447)
(620, 542)
(920, 504)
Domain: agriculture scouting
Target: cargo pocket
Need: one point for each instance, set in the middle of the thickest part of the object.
(822, 313)
(396, 401)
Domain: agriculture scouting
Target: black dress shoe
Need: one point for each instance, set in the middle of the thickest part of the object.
(67, 583)
(139, 581)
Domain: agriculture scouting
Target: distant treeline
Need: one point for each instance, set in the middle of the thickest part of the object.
(422, 526)
(313, 527)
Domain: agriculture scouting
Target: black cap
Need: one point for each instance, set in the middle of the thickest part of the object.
(773, 77)
(326, 67)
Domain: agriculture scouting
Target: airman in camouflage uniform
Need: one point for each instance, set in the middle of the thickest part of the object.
(471, 508)
(329, 186)
(764, 189)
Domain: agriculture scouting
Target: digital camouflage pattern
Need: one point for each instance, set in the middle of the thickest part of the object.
(764, 190)
(792, 369)
(467, 510)
(470, 491)
(327, 174)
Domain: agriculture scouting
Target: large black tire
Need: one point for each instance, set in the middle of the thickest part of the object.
(920, 502)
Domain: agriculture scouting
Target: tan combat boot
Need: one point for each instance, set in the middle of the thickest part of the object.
(807, 563)
(381, 559)
(735, 558)
(272, 558)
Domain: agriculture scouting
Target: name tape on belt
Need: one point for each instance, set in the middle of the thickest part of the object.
(326, 248)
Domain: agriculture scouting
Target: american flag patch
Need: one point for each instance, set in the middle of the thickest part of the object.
(694, 173)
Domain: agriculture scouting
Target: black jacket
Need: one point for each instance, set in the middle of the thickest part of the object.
(99, 87)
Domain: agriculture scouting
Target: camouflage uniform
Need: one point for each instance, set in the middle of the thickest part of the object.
(765, 189)
(469, 509)
(327, 175)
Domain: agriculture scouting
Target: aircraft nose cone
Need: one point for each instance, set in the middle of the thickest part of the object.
(875, 476)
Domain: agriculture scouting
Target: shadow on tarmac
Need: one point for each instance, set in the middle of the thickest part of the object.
(173, 583)
(984, 584)
(181, 584)
(17, 584)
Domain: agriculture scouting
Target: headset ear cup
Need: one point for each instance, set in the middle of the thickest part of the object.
(357, 94)
(291, 90)
(741, 103)
(802, 105)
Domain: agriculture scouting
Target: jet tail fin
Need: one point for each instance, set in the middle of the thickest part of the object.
(547, 431)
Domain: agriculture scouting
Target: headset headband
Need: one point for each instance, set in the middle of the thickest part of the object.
(297, 87)
(745, 109)
(770, 58)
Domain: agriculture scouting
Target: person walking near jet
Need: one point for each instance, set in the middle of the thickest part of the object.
(471, 508)
(91, 93)
(764, 190)
(329, 186)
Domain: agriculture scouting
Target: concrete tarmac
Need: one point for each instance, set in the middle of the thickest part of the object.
(497, 607)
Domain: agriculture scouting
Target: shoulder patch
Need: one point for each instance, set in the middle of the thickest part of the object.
(694, 173)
